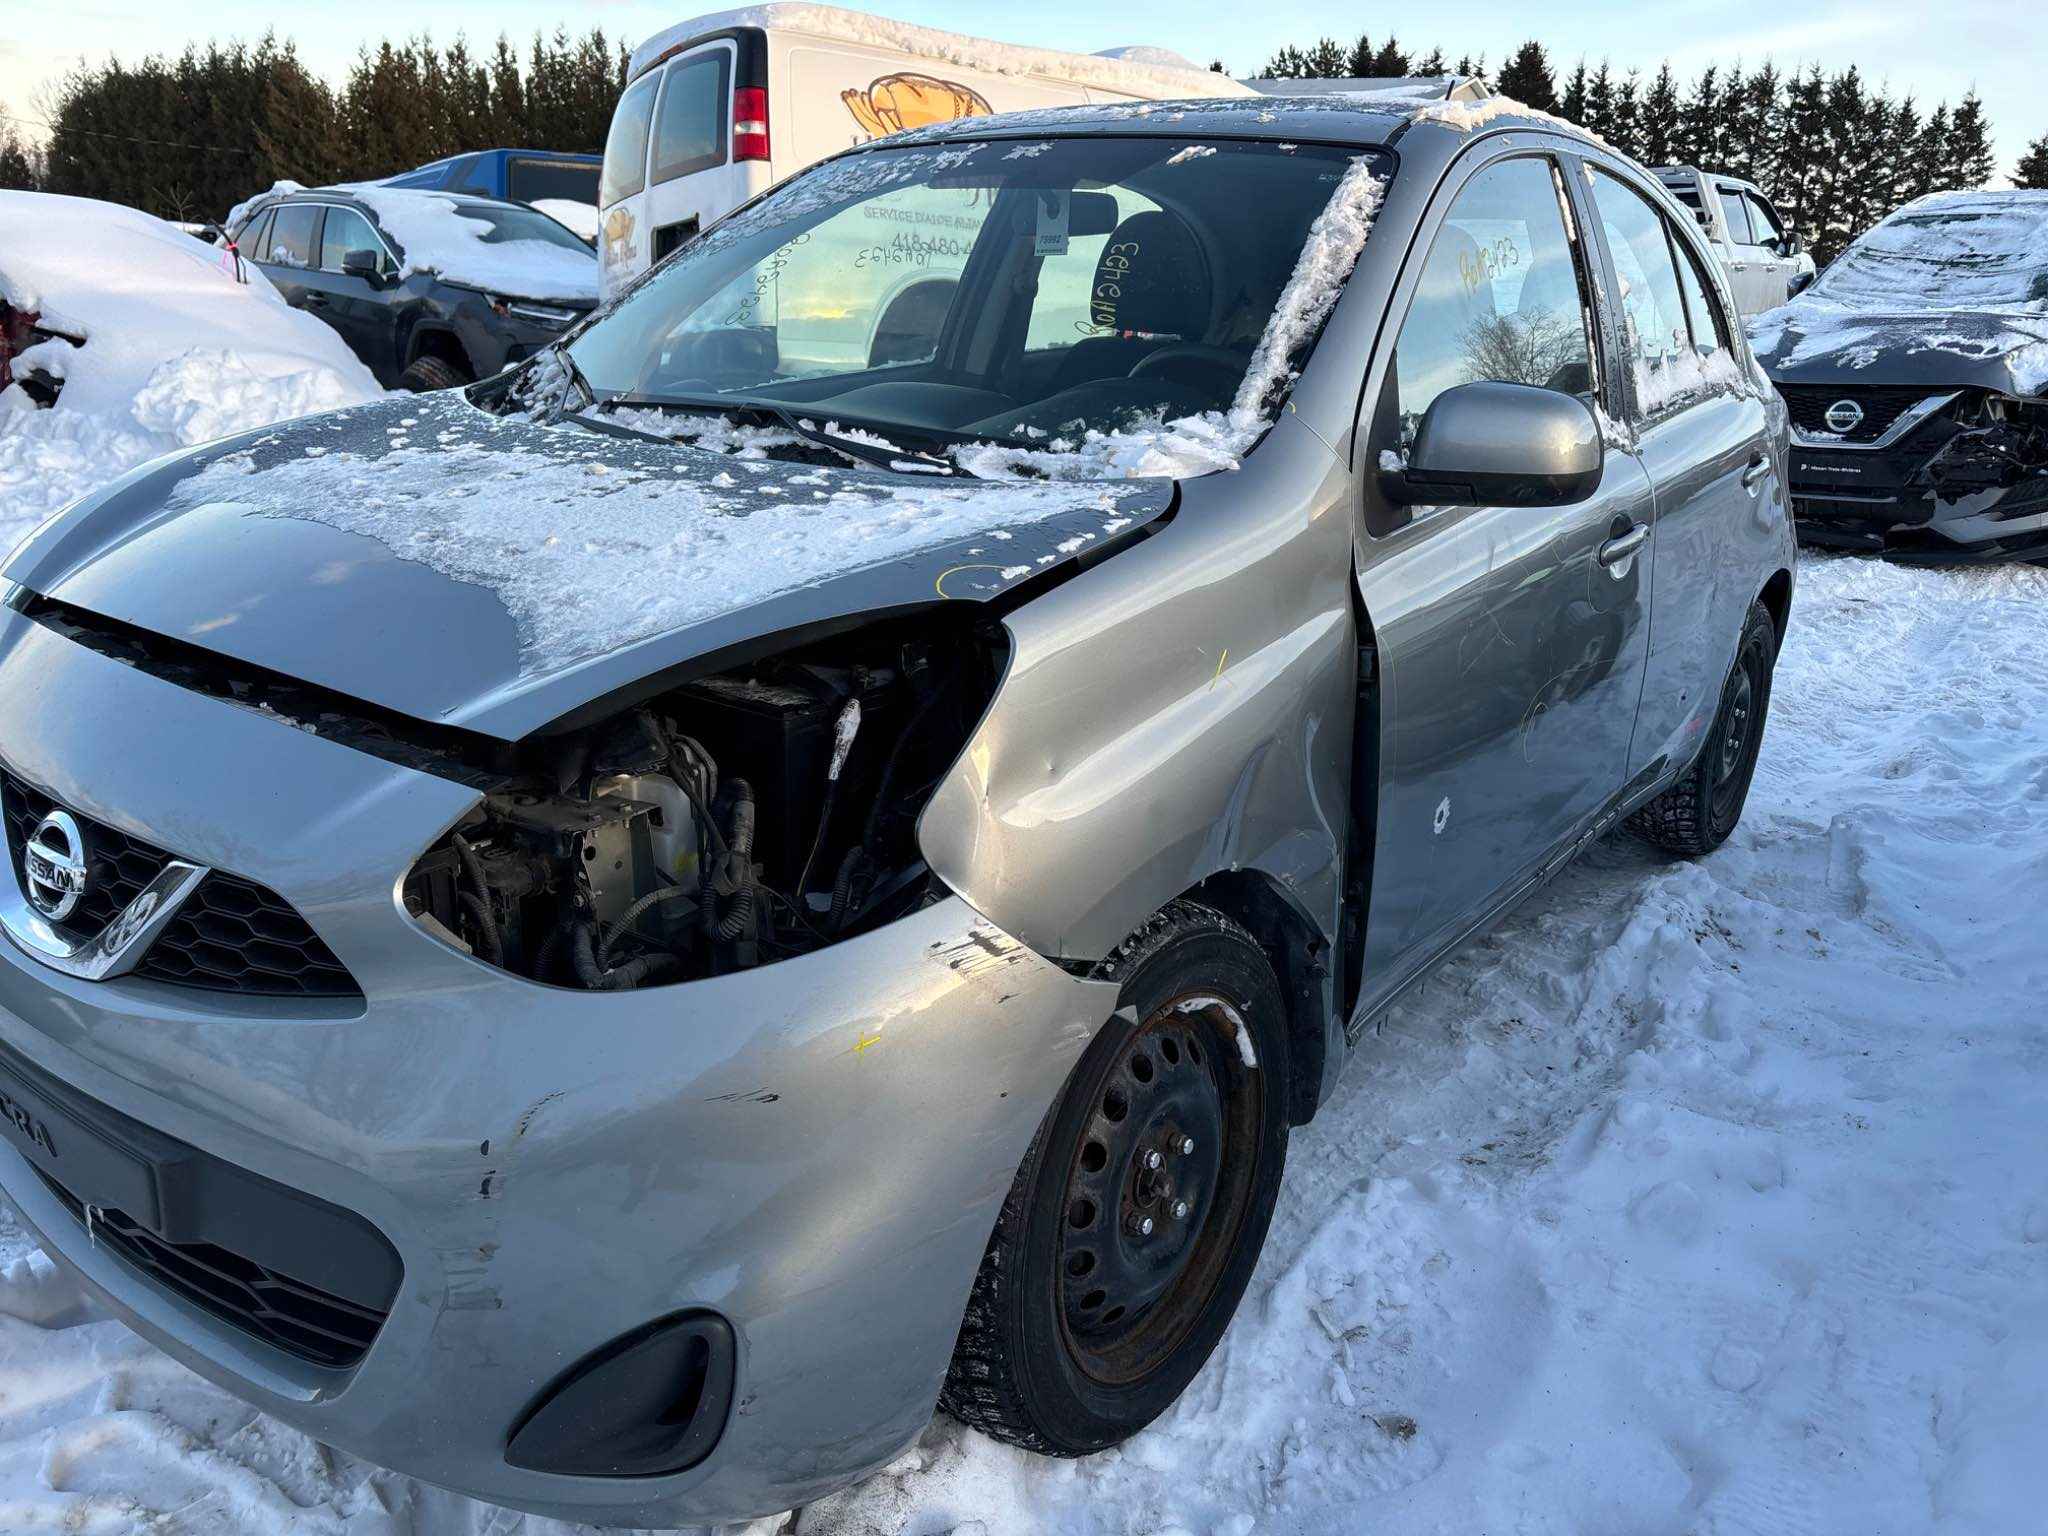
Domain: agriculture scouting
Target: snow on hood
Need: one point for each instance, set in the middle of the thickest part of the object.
(456, 566)
(1134, 71)
(1950, 290)
(436, 238)
(176, 351)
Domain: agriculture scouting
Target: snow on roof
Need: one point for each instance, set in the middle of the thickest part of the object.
(436, 237)
(1134, 72)
(1471, 116)
(175, 352)
(582, 219)
(1406, 87)
(593, 542)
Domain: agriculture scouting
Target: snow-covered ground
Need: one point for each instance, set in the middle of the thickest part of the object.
(175, 352)
(1701, 1199)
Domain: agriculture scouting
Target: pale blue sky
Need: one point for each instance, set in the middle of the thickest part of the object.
(1992, 44)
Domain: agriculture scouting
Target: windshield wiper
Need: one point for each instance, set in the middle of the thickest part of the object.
(884, 455)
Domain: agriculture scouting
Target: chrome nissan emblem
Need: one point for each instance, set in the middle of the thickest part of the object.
(54, 862)
(1844, 416)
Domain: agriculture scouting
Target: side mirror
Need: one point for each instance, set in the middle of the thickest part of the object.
(1501, 445)
(1790, 245)
(364, 264)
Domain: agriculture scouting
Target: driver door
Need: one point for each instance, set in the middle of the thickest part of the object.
(1509, 642)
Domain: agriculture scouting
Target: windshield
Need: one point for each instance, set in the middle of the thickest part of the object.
(1987, 252)
(504, 225)
(1014, 291)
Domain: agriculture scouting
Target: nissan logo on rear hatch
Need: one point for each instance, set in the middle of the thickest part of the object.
(1844, 416)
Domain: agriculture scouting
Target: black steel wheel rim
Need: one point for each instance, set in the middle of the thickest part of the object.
(1159, 1185)
(1737, 732)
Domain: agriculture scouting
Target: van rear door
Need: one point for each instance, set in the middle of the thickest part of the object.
(691, 177)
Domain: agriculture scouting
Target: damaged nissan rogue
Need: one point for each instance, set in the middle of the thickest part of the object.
(612, 938)
(1916, 372)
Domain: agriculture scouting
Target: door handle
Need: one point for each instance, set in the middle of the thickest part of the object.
(316, 300)
(1622, 545)
(1753, 477)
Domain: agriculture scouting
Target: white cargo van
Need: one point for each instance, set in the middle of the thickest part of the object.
(721, 107)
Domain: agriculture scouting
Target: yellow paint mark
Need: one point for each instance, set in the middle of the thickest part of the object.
(1220, 661)
(865, 1040)
(940, 584)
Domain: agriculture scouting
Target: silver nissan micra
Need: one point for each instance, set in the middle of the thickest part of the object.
(611, 938)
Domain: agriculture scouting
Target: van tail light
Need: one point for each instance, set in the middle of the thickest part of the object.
(750, 123)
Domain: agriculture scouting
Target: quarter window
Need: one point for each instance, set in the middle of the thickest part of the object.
(625, 146)
(345, 231)
(1702, 309)
(689, 127)
(254, 240)
(1500, 298)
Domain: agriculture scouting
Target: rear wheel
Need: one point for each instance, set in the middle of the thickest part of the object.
(1695, 815)
(427, 372)
(1133, 1225)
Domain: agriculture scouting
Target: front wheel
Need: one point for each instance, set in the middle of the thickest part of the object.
(1132, 1227)
(1696, 814)
(427, 373)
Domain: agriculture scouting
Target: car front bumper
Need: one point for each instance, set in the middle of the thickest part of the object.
(1870, 500)
(814, 1151)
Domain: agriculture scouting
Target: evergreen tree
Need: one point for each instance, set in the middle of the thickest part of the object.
(1358, 63)
(18, 168)
(1702, 124)
(1571, 105)
(1599, 119)
(1327, 60)
(1627, 115)
(1657, 125)
(1930, 155)
(1433, 64)
(1969, 161)
(2031, 174)
(1527, 78)
(1391, 62)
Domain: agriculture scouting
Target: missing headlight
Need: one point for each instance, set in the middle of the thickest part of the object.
(734, 820)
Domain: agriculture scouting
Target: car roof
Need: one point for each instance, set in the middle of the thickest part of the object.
(1365, 119)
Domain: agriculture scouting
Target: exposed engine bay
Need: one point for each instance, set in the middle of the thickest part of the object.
(1998, 443)
(734, 820)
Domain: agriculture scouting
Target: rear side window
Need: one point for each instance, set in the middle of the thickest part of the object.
(1499, 299)
(528, 180)
(292, 235)
(689, 127)
(625, 147)
(1736, 213)
(345, 231)
(254, 240)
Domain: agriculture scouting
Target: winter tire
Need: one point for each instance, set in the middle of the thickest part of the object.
(1696, 814)
(427, 373)
(1133, 1225)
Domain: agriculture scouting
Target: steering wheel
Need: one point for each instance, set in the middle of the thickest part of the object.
(1177, 358)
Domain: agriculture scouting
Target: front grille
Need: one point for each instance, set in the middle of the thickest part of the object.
(1882, 405)
(231, 935)
(121, 866)
(302, 1320)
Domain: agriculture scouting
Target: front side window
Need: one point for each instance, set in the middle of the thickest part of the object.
(1499, 299)
(689, 128)
(345, 231)
(291, 235)
(1703, 311)
(625, 146)
(1736, 213)
(969, 260)
(1768, 230)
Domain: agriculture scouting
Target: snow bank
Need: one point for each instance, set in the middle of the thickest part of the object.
(1213, 440)
(176, 351)
(435, 238)
(592, 541)
(1127, 71)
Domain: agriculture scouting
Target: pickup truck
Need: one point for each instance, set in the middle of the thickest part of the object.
(1767, 262)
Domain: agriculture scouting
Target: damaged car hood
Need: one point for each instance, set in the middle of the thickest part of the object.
(1815, 341)
(496, 574)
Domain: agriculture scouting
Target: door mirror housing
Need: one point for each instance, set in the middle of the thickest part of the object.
(1790, 245)
(1501, 445)
(366, 265)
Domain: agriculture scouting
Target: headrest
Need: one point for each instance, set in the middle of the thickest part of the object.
(1152, 279)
